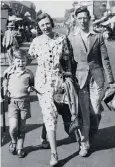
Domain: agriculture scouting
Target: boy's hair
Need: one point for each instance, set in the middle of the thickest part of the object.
(20, 54)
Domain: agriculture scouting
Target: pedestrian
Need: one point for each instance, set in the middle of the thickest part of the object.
(10, 42)
(17, 82)
(33, 31)
(28, 34)
(90, 54)
(49, 49)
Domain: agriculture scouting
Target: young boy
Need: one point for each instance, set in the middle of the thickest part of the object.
(17, 83)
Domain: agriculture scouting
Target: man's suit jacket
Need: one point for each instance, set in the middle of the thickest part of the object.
(95, 59)
(9, 38)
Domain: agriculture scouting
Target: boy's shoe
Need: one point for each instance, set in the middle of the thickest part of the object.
(54, 159)
(21, 153)
(12, 148)
(45, 143)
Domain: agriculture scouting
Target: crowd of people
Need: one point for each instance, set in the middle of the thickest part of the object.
(69, 81)
(108, 32)
(23, 33)
(14, 36)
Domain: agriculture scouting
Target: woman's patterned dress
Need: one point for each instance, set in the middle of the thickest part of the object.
(49, 54)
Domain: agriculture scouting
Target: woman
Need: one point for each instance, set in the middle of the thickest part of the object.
(54, 56)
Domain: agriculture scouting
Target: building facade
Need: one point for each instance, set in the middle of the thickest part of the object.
(20, 8)
(97, 8)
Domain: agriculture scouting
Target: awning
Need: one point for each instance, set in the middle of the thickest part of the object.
(100, 20)
(14, 18)
(111, 20)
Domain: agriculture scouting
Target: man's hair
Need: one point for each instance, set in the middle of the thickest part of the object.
(20, 54)
(82, 9)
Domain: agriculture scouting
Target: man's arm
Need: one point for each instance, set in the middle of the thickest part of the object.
(106, 61)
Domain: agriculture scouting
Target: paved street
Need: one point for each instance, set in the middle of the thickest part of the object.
(103, 150)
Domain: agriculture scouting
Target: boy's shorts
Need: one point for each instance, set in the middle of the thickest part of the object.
(19, 107)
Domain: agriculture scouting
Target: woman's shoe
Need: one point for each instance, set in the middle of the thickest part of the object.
(12, 148)
(54, 159)
(20, 153)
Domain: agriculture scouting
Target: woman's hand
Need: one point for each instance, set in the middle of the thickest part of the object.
(30, 89)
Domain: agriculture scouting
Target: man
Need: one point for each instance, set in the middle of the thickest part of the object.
(10, 42)
(92, 60)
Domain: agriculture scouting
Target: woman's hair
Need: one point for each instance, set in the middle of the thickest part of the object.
(44, 15)
(82, 9)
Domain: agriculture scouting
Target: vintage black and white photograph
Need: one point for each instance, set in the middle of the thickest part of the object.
(57, 81)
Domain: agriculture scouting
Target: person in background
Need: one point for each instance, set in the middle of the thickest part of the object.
(17, 83)
(33, 31)
(27, 34)
(49, 49)
(10, 42)
(90, 54)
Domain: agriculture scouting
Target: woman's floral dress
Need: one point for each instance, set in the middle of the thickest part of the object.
(49, 52)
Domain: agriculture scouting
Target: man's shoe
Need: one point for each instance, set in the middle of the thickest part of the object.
(83, 152)
(21, 153)
(54, 159)
(45, 143)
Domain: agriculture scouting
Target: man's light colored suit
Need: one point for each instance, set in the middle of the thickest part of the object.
(10, 43)
(92, 60)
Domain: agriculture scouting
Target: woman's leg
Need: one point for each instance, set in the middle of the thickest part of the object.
(50, 120)
(52, 140)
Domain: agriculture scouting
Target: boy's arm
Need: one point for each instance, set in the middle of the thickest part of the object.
(31, 84)
(31, 81)
(5, 86)
(6, 75)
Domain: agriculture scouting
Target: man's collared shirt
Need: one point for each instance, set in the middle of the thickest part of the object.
(85, 36)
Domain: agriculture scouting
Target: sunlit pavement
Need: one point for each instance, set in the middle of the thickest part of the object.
(103, 149)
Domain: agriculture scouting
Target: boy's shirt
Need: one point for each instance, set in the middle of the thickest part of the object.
(17, 83)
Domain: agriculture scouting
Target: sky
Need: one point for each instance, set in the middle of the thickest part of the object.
(55, 8)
